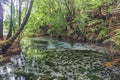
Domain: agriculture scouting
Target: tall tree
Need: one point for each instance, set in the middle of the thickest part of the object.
(11, 20)
(1, 17)
(8, 42)
(1, 21)
(20, 4)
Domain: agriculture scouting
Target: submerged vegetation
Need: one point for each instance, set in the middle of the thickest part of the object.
(59, 60)
(66, 65)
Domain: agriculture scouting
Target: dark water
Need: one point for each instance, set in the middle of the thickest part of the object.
(48, 59)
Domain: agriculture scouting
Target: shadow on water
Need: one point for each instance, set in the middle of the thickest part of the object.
(47, 59)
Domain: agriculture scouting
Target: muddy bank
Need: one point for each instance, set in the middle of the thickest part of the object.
(13, 50)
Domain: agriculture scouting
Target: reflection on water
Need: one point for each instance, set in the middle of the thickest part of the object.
(48, 59)
(7, 71)
(49, 43)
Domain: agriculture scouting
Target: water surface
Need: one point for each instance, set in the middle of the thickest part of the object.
(49, 59)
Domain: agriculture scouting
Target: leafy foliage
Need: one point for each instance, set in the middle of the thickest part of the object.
(76, 19)
(115, 40)
(58, 15)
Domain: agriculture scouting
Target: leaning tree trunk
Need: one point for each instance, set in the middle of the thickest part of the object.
(8, 43)
(1, 21)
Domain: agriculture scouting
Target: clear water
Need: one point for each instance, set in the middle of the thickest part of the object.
(48, 59)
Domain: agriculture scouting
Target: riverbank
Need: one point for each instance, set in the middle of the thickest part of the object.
(13, 50)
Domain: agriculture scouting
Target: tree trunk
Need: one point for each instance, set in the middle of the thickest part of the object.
(20, 4)
(11, 21)
(8, 43)
(1, 21)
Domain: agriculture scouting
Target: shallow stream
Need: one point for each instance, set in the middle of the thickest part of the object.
(49, 59)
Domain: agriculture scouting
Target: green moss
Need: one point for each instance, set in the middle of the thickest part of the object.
(1, 59)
